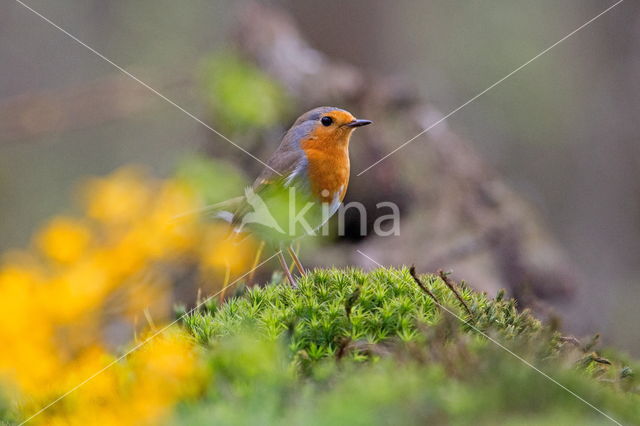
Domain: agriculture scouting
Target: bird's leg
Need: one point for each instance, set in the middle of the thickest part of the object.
(294, 256)
(285, 268)
(255, 262)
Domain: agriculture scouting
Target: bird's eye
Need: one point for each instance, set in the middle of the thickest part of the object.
(326, 121)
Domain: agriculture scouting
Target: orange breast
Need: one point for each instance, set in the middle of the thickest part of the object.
(328, 171)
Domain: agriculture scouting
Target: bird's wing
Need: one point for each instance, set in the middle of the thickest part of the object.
(287, 162)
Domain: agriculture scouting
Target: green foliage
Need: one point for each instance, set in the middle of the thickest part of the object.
(350, 347)
(240, 95)
(213, 180)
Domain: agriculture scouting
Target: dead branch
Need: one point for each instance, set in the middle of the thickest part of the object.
(452, 286)
(424, 288)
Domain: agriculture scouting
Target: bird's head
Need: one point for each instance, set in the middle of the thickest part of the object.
(326, 127)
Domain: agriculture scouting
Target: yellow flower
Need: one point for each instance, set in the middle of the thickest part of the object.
(94, 274)
(176, 202)
(79, 289)
(64, 239)
(165, 370)
(169, 357)
(28, 357)
(119, 198)
(224, 249)
(173, 220)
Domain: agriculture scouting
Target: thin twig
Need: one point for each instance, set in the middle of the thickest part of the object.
(424, 288)
(444, 277)
(572, 340)
(600, 360)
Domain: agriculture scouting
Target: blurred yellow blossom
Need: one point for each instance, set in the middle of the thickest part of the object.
(76, 290)
(90, 284)
(122, 197)
(224, 249)
(64, 239)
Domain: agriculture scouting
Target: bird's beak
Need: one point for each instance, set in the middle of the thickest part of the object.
(358, 123)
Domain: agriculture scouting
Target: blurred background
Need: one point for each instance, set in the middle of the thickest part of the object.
(562, 133)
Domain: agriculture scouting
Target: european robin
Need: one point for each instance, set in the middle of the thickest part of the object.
(303, 185)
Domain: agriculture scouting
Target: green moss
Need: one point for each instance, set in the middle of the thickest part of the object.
(331, 305)
(350, 347)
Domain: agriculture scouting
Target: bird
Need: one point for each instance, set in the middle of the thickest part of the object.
(301, 186)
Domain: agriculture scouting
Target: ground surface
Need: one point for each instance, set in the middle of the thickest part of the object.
(350, 347)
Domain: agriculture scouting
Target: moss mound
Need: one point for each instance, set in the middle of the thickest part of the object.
(350, 347)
